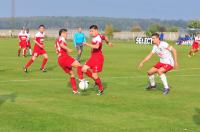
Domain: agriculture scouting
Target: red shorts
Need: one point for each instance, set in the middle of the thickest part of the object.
(96, 62)
(37, 51)
(22, 44)
(195, 45)
(167, 67)
(65, 62)
(28, 44)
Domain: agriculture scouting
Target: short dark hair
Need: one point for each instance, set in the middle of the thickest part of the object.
(156, 35)
(94, 27)
(62, 30)
(41, 26)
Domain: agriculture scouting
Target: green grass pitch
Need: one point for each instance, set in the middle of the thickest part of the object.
(43, 102)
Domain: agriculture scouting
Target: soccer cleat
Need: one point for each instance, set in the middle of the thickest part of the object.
(100, 93)
(43, 70)
(25, 69)
(151, 87)
(166, 91)
(76, 92)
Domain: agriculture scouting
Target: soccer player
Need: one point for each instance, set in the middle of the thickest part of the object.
(95, 63)
(166, 63)
(195, 46)
(65, 61)
(79, 39)
(38, 50)
(22, 36)
(28, 42)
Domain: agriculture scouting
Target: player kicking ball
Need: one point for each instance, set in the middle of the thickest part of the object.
(195, 46)
(38, 50)
(95, 63)
(166, 63)
(65, 61)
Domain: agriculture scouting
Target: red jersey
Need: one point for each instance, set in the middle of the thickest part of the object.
(39, 37)
(22, 37)
(102, 36)
(59, 50)
(97, 40)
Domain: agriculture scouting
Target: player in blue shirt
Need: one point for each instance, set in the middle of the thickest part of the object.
(79, 39)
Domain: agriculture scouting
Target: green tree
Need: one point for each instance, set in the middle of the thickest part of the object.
(173, 29)
(152, 29)
(194, 24)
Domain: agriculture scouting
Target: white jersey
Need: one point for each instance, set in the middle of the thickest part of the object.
(28, 37)
(197, 38)
(163, 52)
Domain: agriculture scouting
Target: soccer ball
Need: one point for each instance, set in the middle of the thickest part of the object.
(83, 85)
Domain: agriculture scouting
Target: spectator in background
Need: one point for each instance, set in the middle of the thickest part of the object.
(162, 36)
(79, 39)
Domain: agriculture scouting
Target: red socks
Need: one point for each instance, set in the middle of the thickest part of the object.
(79, 72)
(73, 83)
(44, 63)
(19, 50)
(98, 82)
(29, 63)
(24, 52)
(89, 74)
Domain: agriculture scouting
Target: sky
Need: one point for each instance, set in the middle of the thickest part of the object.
(162, 9)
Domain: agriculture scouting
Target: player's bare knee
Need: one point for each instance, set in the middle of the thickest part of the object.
(95, 75)
(160, 72)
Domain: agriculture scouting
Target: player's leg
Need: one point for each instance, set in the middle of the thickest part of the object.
(78, 67)
(163, 78)
(151, 77)
(44, 61)
(19, 51)
(33, 58)
(73, 82)
(191, 52)
(87, 71)
(98, 83)
(24, 52)
(78, 47)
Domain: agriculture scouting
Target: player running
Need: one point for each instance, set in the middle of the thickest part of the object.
(195, 46)
(95, 64)
(38, 50)
(22, 36)
(65, 61)
(28, 46)
(166, 63)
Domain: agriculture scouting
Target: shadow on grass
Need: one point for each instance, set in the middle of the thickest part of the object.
(4, 98)
(196, 117)
(91, 89)
(159, 87)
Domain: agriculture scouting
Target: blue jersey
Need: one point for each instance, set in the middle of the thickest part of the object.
(79, 38)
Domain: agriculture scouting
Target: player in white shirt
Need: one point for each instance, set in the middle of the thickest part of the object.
(167, 62)
(29, 42)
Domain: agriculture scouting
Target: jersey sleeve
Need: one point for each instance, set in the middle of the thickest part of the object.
(154, 49)
(165, 45)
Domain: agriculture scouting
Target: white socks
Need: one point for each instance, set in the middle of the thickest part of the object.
(30, 51)
(164, 80)
(152, 80)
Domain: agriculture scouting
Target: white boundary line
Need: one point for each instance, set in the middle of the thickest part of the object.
(122, 77)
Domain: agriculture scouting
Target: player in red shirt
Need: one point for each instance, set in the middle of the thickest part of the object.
(65, 61)
(38, 49)
(22, 36)
(195, 46)
(95, 64)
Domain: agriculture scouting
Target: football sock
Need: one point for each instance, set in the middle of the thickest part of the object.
(164, 80)
(152, 80)
(79, 72)
(44, 63)
(89, 74)
(73, 83)
(99, 84)
(30, 51)
(29, 63)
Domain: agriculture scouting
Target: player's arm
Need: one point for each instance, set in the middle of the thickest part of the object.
(66, 48)
(147, 58)
(34, 40)
(174, 52)
(96, 46)
(108, 42)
